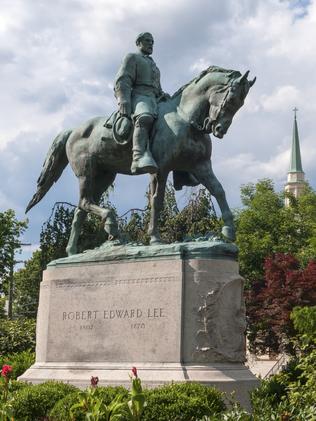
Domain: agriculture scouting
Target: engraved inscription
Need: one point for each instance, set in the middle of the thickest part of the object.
(138, 326)
(137, 315)
(80, 315)
(123, 313)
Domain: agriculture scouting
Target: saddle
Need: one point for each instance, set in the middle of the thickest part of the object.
(122, 131)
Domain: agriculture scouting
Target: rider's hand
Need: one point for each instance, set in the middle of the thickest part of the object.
(125, 109)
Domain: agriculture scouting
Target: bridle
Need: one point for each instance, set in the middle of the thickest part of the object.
(206, 126)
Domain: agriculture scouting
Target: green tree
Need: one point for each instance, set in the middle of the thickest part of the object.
(27, 281)
(10, 231)
(303, 212)
(304, 321)
(265, 226)
(55, 233)
(197, 218)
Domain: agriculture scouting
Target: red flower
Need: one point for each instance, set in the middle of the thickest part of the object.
(94, 381)
(6, 369)
(134, 371)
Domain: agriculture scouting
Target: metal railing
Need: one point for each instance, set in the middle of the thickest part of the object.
(281, 362)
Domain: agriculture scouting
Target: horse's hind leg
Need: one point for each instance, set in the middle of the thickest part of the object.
(76, 225)
(91, 189)
(102, 183)
(205, 175)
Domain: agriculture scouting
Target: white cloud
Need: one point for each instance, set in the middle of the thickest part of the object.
(280, 98)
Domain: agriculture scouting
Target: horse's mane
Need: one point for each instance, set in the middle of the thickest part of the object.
(229, 73)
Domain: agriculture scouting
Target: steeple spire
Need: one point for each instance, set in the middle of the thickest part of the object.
(296, 162)
(295, 176)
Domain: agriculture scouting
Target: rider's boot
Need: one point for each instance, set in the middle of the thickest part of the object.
(143, 162)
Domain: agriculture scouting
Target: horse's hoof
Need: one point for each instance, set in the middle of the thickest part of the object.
(154, 241)
(114, 241)
(229, 233)
(71, 251)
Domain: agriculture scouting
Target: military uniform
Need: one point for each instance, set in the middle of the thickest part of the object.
(137, 84)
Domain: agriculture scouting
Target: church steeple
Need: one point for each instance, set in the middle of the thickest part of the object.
(296, 162)
(295, 177)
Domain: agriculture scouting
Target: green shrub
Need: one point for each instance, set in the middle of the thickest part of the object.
(109, 393)
(289, 395)
(20, 362)
(61, 409)
(13, 386)
(182, 401)
(235, 413)
(271, 390)
(17, 336)
(34, 402)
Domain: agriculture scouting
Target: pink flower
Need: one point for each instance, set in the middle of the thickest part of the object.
(6, 369)
(94, 381)
(134, 371)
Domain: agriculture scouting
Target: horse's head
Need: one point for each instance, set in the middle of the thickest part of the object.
(225, 101)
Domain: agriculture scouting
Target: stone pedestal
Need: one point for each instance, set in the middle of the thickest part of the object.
(175, 312)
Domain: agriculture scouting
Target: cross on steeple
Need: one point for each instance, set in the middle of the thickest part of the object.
(295, 111)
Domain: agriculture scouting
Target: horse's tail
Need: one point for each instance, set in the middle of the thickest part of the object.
(54, 164)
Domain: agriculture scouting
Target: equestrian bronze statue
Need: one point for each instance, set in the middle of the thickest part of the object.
(177, 141)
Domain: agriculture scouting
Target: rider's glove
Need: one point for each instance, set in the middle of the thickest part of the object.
(125, 109)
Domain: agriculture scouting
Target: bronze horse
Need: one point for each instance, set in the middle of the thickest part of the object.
(180, 143)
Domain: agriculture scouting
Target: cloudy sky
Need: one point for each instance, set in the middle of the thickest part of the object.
(58, 61)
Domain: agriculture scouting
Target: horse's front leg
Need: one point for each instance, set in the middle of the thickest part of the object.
(205, 175)
(157, 195)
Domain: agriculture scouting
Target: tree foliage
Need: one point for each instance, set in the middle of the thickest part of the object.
(10, 231)
(270, 303)
(265, 226)
(304, 322)
(291, 394)
(17, 336)
(27, 282)
(196, 219)
(55, 233)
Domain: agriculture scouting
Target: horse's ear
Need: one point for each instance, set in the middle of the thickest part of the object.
(251, 82)
(244, 77)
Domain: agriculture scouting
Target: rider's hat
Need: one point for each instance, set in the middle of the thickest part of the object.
(141, 35)
(123, 130)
